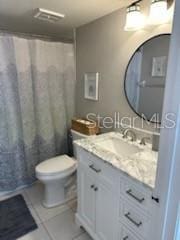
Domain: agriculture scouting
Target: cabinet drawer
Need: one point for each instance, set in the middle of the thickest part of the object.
(92, 164)
(134, 219)
(136, 194)
(84, 156)
(103, 170)
(126, 234)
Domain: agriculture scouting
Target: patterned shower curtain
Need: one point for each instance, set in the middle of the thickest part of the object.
(37, 82)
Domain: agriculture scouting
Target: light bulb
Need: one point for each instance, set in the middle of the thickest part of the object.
(134, 18)
(158, 12)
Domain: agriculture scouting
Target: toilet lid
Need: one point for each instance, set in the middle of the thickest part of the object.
(56, 165)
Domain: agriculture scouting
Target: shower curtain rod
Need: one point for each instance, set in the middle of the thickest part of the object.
(35, 36)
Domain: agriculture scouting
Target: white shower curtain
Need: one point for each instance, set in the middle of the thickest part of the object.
(37, 82)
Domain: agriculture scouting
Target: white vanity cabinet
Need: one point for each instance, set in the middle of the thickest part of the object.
(111, 206)
(106, 213)
(86, 197)
(97, 199)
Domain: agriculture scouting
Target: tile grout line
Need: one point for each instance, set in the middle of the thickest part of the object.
(26, 194)
(27, 197)
(32, 205)
(48, 233)
(43, 223)
(77, 236)
(57, 215)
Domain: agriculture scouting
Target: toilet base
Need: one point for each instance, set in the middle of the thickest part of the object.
(66, 200)
(54, 175)
(54, 193)
(47, 205)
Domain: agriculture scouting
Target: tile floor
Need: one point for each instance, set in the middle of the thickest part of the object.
(55, 223)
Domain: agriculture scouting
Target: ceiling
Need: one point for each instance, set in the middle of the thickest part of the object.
(17, 15)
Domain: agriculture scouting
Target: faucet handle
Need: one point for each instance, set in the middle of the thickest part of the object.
(143, 140)
(130, 132)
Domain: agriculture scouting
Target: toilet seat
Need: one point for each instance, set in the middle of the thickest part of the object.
(55, 174)
(59, 165)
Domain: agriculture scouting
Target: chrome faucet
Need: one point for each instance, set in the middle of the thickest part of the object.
(143, 140)
(126, 132)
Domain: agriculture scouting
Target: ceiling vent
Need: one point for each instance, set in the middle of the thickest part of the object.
(47, 15)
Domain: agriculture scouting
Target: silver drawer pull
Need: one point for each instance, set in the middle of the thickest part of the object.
(130, 193)
(128, 216)
(126, 238)
(95, 169)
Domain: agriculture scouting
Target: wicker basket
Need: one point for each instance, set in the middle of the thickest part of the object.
(85, 126)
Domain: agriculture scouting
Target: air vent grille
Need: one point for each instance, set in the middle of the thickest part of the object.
(47, 15)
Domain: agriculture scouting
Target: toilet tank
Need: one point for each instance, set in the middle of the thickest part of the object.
(76, 136)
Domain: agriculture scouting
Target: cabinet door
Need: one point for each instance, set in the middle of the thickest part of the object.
(86, 185)
(106, 213)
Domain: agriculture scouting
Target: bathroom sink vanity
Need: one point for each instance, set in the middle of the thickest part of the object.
(115, 183)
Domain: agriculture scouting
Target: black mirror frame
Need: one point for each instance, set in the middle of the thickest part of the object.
(159, 35)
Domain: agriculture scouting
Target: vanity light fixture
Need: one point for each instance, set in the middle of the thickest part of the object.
(134, 17)
(161, 11)
(158, 12)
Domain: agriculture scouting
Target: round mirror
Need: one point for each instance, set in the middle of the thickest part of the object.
(145, 78)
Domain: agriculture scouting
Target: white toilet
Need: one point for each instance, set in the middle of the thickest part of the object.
(54, 173)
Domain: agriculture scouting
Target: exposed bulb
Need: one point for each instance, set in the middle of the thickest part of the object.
(134, 18)
(158, 12)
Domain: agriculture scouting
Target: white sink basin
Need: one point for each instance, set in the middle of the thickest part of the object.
(118, 147)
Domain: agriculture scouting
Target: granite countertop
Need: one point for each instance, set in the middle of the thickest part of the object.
(140, 166)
